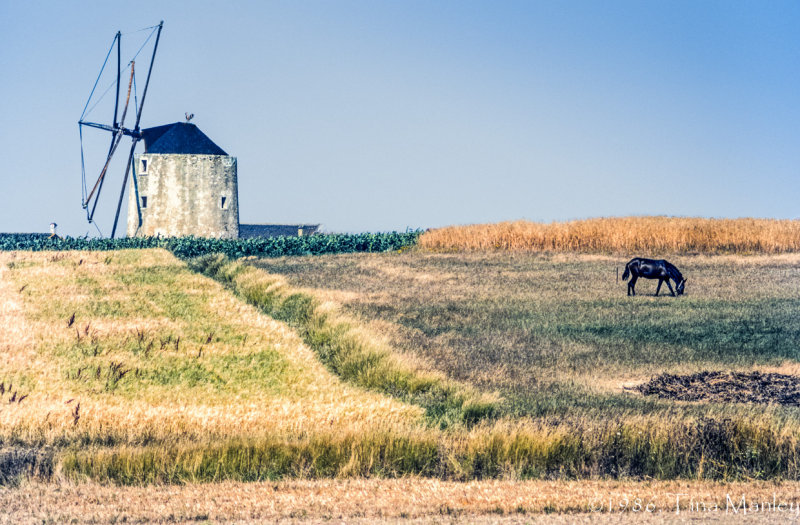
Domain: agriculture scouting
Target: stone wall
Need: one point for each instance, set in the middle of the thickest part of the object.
(184, 195)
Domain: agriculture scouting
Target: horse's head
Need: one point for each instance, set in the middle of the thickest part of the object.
(680, 286)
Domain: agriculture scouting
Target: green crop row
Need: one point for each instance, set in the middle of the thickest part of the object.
(187, 247)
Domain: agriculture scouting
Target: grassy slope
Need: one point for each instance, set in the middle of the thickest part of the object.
(159, 357)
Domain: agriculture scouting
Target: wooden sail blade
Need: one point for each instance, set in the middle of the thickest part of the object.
(127, 97)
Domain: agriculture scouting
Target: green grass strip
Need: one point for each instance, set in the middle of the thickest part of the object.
(346, 353)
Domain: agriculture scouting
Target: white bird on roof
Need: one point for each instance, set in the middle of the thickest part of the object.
(189, 116)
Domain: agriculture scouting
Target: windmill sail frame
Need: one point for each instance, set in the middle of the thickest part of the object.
(117, 129)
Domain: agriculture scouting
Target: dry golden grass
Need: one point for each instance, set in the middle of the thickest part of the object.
(630, 235)
(243, 398)
(41, 357)
(414, 499)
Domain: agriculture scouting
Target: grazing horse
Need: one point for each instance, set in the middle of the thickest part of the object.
(652, 269)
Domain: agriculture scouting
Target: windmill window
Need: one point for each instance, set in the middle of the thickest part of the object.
(223, 202)
(144, 201)
(144, 167)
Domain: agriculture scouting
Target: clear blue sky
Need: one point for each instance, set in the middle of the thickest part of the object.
(381, 115)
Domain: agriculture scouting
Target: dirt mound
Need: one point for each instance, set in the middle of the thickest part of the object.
(726, 387)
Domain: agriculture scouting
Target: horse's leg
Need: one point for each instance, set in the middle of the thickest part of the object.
(670, 288)
(660, 282)
(632, 285)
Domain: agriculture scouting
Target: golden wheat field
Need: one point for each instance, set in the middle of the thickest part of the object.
(623, 235)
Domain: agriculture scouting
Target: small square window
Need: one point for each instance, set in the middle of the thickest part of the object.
(144, 201)
(144, 166)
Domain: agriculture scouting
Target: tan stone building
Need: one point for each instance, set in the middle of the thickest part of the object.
(183, 184)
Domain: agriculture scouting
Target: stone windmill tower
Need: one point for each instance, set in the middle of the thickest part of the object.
(183, 184)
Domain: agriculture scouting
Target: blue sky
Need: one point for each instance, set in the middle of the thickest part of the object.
(382, 115)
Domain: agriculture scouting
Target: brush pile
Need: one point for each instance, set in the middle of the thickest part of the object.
(726, 387)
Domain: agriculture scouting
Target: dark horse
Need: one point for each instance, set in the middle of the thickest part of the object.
(651, 269)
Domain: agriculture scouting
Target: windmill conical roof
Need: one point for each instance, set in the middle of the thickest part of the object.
(181, 138)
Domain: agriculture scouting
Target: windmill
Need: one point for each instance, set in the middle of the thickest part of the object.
(90, 197)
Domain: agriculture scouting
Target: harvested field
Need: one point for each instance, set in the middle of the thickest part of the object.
(726, 387)
(409, 500)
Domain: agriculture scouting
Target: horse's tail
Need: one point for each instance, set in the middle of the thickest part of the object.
(626, 273)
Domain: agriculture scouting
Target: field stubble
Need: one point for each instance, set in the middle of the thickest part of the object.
(408, 500)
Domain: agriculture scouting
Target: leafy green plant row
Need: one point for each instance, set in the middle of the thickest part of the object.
(187, 247)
